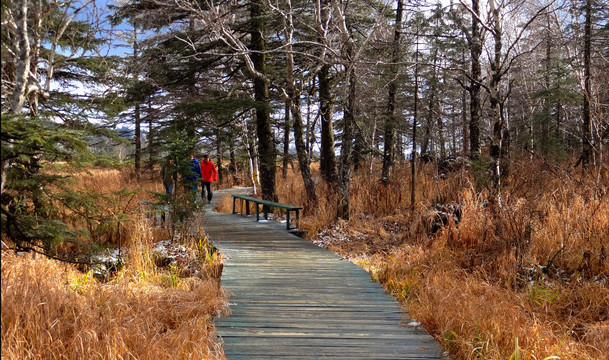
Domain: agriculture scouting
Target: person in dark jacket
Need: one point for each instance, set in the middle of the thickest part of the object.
(208, 175)
(193, 176)
(169, 176)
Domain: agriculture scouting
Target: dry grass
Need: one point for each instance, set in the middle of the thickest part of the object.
(50, 310)
(529, 272)
(225, 205)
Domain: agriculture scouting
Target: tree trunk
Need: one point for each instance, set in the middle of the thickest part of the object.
(137, 115)
(426, 136)
(309, 132)
(391, 120)
(252, 169)
(373, 143)
(344, 175)
(303, 156)
(293, 101)
(151, 134)
(266, 143)
(359, 146)
(547, 104)
(22, 70)
(255, 165)
(138, 140)
(413, 161)
(399, 148)
(286, 142)
(439, 116)
(22, 67)
(464, 125)
(474, 89)
(34, 91)
(431, 105)
(219, 159)
(586, 125)
(453, 130)
(327, 157)
(496, 149)
(232, 167)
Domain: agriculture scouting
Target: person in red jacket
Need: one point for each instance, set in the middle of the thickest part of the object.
(208, 175)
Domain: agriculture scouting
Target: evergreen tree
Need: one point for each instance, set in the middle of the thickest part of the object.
(45, 121)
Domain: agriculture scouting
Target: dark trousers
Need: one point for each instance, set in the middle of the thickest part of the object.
(206, 185)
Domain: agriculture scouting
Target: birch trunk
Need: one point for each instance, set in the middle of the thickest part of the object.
(22, 70)
(413, 161)
(496, 149)
(22, 66)
(286, 142)
(586, 128)
(252, 170)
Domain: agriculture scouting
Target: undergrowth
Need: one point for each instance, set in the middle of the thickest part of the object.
(523, 272)
(145, 310)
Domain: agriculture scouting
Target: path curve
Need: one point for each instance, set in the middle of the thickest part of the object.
(293, 300)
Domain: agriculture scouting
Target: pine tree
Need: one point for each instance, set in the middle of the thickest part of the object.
(43, 123)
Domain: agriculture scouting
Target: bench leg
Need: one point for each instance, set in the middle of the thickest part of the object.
(298, 217)
(287, 219)
(234, 204)
(257, 212)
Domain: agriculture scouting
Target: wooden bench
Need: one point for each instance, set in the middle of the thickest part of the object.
(257, 202)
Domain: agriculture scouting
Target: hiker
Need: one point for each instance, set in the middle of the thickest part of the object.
(169, 176)
(193, 175)
(208, 175)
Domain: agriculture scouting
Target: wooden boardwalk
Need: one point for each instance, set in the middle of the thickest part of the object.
(293, 300)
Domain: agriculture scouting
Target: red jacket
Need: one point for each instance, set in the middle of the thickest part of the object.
(208, 171)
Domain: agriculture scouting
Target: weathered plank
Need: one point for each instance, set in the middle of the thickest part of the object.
(293, 300)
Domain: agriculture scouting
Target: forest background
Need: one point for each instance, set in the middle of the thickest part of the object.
(461, 148)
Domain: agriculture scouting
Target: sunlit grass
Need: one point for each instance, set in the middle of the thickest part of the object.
(51, 310)
(529, 272)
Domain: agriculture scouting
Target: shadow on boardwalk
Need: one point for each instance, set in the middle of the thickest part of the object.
(294, 300)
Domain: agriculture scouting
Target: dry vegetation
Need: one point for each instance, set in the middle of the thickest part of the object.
(51, 310)
(529, 275)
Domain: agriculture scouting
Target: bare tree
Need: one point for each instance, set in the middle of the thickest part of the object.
(501, 61)
(344, 173)
(292, 98)
(391, 119)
